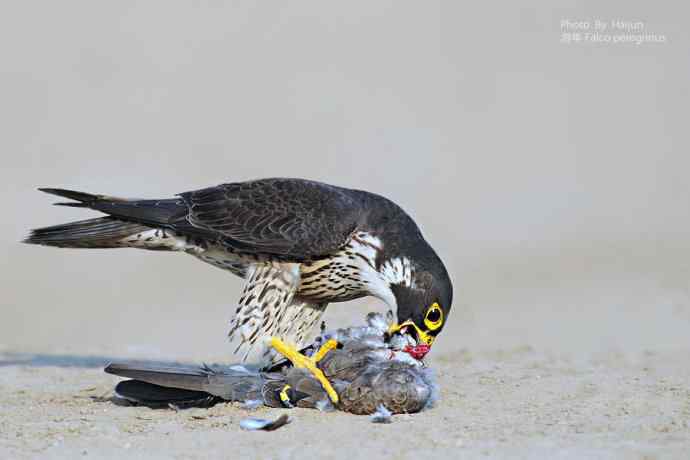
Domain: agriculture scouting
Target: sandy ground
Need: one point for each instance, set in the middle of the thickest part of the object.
(517, 403)
(575, 356)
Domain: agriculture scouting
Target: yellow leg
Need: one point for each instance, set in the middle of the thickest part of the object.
(299, 360)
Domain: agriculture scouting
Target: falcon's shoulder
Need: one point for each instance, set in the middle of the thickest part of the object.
(289, 217)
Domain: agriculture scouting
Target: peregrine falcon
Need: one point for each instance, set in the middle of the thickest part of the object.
(298, 244)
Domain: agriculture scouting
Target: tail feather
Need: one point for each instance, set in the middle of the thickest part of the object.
(152, 395)
(82, 199)
(149, 212)
(126, 218)
(233, 383)
(72, 204)
(193, 378)
(101, 232)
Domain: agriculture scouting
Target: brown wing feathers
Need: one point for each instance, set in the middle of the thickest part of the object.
(287, 217)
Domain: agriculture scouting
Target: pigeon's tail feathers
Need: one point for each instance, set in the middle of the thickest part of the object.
(149, 394)
(102, 232)
(231, 383)
(193, 378)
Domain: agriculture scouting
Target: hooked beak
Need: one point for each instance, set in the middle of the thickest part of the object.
(423, 337)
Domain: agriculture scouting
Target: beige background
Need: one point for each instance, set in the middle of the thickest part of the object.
(550, 177)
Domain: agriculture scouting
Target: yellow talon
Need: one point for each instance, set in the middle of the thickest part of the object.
(299, 360)
(285, 396)
(331, 344)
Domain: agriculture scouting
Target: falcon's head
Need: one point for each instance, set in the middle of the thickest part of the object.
(423, 300)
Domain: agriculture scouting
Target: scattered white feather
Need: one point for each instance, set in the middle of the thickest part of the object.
(377, 322)
(325, 405)
(429, 377)
(382, 415)
(254, 424)
(252, 404)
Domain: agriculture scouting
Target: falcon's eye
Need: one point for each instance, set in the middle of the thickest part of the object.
(434, 317)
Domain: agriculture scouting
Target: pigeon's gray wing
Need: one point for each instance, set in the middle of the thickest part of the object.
(230, 383)
(288, 217)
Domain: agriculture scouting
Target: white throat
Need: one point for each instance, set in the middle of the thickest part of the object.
(397, 270)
